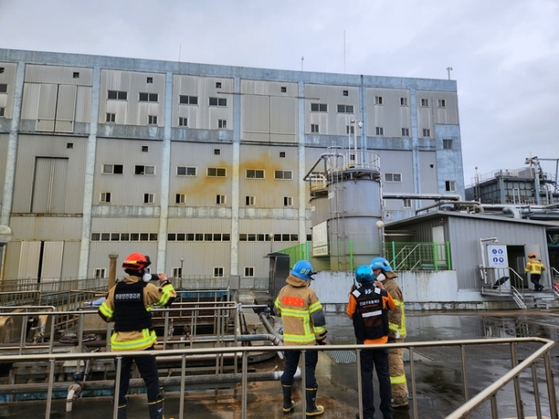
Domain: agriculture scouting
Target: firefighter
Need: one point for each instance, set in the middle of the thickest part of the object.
(128, 305)
(535, 268)
(367, 307)
(304, 323)
(396, 332)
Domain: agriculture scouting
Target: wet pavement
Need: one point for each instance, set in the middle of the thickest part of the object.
(438, 374)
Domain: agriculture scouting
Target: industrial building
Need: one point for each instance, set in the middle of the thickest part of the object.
(199, 166)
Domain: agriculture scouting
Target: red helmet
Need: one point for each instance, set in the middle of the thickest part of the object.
(136, 262)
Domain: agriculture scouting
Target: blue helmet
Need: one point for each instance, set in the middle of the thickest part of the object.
(364, 273)
(303, 270)
(381, 263)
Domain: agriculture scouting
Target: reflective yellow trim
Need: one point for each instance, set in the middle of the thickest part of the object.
(106, 311)
(399, 379)
(148, 339)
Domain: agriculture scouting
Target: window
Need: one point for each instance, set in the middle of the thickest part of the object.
(218, 85)
(249, 200)
(112, 169)
(283, 89)
(405, 132)
(283, 174)
(350, 129)
(314, 128)
(69, 145)
(403, 101)
(220, 199)
(424, 102)
(105, 197)
(183, 122)
(145, 149)
(319, 107)
(124, 237)
(282, 154)
(249, 271)
(218, 101)
(378, 100)
(148, 198)
(222, 123)
(217, 151)
(152, 119)
(380, 130)
(346, 92)
(188, 100)
(117, 95)
(392, 177)
(218, 272)
(255, 174)
(144, 170)
(95, 237)
(177, 272)
(99, 272)
(3, 88)
(406, 203)
(186, 171)
(2, 111)
(1, 70)
(216, 172)
(447, 144)
(287, 201)
(149, 80)
(426, 132)
(115, 237)
(149, 97)
(450, 186)
(441, 103)
(345, 108)
(111, 117)
(180, 198)
(76, 75)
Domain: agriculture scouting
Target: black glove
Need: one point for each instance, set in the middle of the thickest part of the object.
(321, 342)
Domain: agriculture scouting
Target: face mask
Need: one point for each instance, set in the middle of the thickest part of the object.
(380, 277)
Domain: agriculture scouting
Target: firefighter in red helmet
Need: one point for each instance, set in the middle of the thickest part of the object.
(128, 305)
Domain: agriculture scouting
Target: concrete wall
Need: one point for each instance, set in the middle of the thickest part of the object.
(422, 290)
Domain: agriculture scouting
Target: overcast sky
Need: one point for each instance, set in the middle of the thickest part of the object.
(504, 53)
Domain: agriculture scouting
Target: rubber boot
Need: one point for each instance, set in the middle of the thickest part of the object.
(288, 404)
(121, 413)
(312, 408)
(156, 409)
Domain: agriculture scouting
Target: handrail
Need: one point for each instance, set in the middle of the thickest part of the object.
(462, 412)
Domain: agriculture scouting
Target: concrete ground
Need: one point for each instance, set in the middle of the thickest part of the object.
(437, 370)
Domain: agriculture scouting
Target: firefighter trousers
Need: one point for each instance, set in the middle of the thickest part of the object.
(397, 375)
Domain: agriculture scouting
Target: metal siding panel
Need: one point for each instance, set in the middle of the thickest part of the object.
(41, 185)
(47, 107)
(59, 178)
(127, 188)
(66, 108)
(70, 260)
(4, 138)
(29, 259)
(283, 123)
(52, 260)
(30, 104)
(58, 74)
(428, 174)
(83, 104)
(256, 118)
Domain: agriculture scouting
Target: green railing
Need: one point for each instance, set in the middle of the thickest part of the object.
(403, 256)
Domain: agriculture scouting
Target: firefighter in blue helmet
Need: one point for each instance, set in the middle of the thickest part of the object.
(304, 323)
(396, 332)
(128, 304)
(367, 307)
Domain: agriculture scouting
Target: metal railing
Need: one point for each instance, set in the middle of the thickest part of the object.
(409, 256)
(470, 406)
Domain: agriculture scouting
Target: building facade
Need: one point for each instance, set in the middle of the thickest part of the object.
(199, 166)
